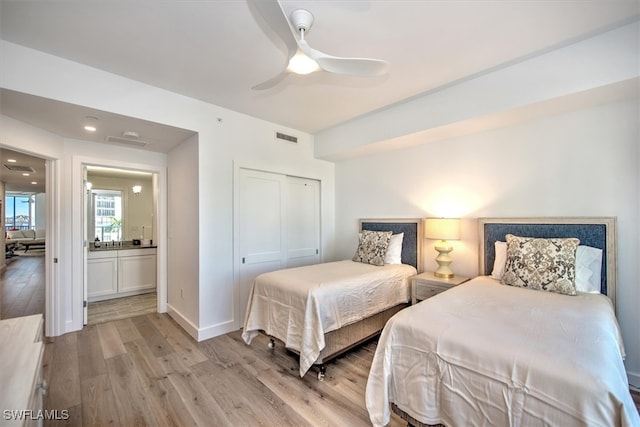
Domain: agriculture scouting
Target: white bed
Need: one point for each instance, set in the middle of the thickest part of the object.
(303, 306)
(485, 353)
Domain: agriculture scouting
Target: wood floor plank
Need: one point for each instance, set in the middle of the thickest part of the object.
(204, 409)
(165, 400)
(178, 339)
(64, 384)
(132, 401)
(152, 336)
(110, 340)
(90, 353)
(98, 403)
(127, 330)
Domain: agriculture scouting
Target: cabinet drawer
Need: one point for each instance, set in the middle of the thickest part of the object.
(424, 291)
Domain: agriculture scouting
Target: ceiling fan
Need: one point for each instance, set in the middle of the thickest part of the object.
(302, 58)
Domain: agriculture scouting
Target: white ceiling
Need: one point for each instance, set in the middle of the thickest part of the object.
(14, 179)
(217, 50)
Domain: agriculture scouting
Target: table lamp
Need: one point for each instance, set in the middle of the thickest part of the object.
(443, 229)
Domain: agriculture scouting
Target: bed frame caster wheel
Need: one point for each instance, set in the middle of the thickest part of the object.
(272, 344)
(321, 373)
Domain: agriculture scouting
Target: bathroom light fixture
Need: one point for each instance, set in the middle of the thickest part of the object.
(443, 229)
(136, 189)
(91, 124)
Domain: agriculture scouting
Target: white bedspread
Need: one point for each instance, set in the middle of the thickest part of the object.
(487, 354)
(299, 305)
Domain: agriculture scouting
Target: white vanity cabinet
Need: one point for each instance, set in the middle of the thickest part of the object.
(117, 273)
(136, 270)
(102, 274)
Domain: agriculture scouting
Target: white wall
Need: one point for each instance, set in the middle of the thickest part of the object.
(583, 163)
(225, 138)
(184, 238)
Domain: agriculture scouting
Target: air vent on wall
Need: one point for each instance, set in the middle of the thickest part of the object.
(125, 141)
(288, 138)
(17, 168)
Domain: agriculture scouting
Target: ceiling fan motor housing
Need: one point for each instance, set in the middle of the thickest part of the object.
(302, 19)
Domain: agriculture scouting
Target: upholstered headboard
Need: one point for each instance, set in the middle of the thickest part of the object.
(598, 232)
(411, 242)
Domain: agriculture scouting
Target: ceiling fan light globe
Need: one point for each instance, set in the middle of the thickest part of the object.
(302, 64)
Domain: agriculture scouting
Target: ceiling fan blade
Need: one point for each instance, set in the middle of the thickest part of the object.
(276, 18)
(353, 66)
(271, 82)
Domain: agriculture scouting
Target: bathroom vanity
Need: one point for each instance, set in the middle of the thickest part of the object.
(120, 270)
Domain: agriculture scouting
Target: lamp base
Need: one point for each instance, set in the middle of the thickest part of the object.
(443, 259)
(443, 275)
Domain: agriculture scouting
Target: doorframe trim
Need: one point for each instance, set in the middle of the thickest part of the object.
(78, 268)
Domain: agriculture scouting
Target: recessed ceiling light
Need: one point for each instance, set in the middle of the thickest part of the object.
(91, 124)
(11, 160)
(25, 174)
(34, 182)
(131, 134)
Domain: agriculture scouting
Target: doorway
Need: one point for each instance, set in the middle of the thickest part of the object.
(120, 259)
(23, 207)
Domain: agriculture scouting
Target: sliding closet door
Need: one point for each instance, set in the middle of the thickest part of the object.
(303, 221)
(278, 225)
(261, 228)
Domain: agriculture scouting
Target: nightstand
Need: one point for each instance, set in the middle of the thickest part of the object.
(426, 285)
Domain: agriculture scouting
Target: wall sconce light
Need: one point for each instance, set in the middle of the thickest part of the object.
(136, 189)
(443, 229)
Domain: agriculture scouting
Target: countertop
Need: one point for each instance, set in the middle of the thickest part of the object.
(118, 247)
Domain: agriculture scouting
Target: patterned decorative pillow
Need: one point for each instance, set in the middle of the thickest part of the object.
(541, 264)
(372, 247)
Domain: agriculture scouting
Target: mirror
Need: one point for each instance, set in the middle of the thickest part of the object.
(122, 205)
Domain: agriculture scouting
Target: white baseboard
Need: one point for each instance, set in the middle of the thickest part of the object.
(200, 334)
(183, 321)
(216, 330)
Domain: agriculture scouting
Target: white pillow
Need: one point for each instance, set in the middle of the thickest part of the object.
(588, 266)
(588, 269)
(500, 260)
(394, 251)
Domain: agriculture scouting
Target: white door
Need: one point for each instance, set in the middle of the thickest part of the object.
(303, 221)
(261, 228)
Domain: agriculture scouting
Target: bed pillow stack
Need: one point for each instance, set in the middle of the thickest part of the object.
(588, 266)
(372, 247)
(541, 264)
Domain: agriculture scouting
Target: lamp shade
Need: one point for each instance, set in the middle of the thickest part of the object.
(442, 228)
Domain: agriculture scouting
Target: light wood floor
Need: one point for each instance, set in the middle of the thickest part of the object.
(22, 290)
(146, 370)
(121, 308)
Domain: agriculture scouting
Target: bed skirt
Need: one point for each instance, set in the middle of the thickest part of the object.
(344, 339)
(410, 420)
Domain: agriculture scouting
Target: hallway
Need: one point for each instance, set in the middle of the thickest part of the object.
(22, 287)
